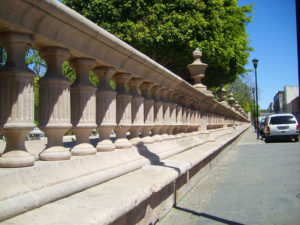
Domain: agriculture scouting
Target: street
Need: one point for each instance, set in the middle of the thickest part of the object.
(255, 183)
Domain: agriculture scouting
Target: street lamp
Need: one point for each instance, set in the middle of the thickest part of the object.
(255, 61)
(254, 118)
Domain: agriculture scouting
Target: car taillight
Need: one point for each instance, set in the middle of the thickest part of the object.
(297, 127)
(268, 129)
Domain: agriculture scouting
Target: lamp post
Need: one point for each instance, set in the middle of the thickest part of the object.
(255, 61)
(1, 56)
(254, 109)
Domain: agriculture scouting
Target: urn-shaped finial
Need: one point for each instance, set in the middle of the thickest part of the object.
(197, 55)
(222, 93)
(231, 100)
(197, 68)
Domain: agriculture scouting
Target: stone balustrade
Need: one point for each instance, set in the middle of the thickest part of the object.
(146, 117)
(150, 104)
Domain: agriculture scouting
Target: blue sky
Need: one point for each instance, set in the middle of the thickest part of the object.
(273, 36)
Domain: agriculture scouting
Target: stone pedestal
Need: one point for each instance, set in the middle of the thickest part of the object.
(83, 105)
(123, 111)
(55, 104)
(16, 100)
(105, 108)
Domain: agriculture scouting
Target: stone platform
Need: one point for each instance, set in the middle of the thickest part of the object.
(133, 186)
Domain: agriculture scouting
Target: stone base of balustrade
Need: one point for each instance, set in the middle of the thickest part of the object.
(157, 138)
(148, 140)
(83, 149)
(105, 146)
(16, 158)
(118, 187)
(123, 143)
(55, 153)
(137, 141)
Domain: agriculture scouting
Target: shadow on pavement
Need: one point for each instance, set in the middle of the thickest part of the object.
(154, 159)
(211, 217)
(280, 140)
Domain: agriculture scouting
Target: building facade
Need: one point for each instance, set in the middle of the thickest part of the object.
(278, 102)
(283, 99)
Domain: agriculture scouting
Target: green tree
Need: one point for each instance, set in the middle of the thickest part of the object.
(169, 30)
(242, 92)
(39, 67)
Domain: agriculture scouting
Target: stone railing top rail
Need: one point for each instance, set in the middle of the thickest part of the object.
(51, 23)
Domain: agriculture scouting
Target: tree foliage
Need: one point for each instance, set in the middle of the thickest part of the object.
(242, 92)
(169, 30)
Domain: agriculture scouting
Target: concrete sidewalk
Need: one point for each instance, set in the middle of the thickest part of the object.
(255, 183)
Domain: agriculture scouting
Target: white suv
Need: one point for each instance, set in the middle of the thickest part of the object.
(281, 125)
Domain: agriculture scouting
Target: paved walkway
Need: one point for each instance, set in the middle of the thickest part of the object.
(255, 183)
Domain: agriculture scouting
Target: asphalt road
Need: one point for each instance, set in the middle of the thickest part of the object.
(255, 183)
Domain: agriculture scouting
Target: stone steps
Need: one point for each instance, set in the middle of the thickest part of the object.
(141, 192)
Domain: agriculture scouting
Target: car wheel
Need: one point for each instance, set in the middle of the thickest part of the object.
(296, 139)
(267, 140)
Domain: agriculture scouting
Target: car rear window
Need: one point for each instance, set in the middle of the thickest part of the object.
(282, 120)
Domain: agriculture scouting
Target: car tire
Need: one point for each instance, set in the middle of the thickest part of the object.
(296, 139)
(267, 140)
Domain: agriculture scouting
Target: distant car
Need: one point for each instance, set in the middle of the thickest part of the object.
(35, 134)
(282, 125)
(261, 126)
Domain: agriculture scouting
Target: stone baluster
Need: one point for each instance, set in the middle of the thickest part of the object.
(178, 116)
(209, 122)
(193, 121)
(193, 125)
(200, 119)
(196, 123)
(137, 111)
(214, 120)
(148, 112)
(188, 117)
(105, 108)
(123, 111)
(204, 121)
(158, 113)
(166, 114)
(83, 107)
(172, 122)
(196, 118)
(184, 120)
(16, 100)
(55, 104)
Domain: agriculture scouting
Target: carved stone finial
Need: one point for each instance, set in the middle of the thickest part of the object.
(197, 54)
(197, 70)
(222, 93)
(231, 100)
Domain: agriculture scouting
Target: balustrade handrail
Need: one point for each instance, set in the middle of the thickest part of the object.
(60, 34)
(88, 30)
